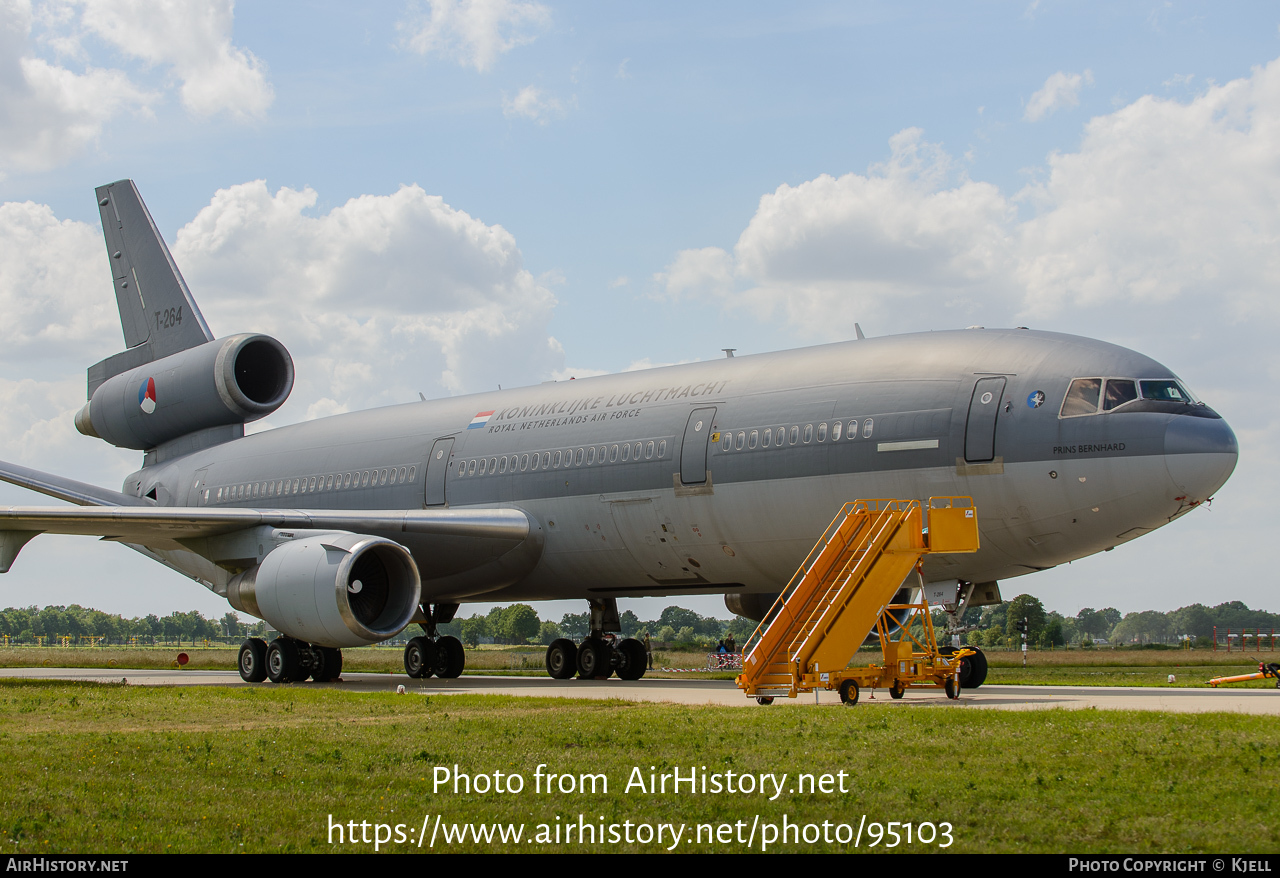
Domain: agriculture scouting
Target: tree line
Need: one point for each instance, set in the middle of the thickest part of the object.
(27, 624)
(997, 625)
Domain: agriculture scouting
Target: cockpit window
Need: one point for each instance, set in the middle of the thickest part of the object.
(1119, 391)
(1168, 391)
(1082, 397)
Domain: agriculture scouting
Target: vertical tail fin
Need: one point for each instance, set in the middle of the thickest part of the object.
(157, 313)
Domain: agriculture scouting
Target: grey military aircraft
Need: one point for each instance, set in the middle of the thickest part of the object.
(708, 478)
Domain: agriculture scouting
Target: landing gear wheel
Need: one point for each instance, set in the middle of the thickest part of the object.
(330, 666)
(283, 665)
(973, 670)
(849, 692)
(897, 690)
(451, 657)
(953, 688)
(631, 665)
(419, 657)
(593, 659)
(253, 660)
(764, 700)
(562, 659)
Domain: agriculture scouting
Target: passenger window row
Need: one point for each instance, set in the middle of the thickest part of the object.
(562, 458)
(795, 434)
(370, 478)
(1089, 396)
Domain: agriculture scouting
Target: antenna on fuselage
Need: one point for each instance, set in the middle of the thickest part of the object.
(728, 352)
(858, 331)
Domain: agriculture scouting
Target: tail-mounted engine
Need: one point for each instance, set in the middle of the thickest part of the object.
(334, 589)
(222, 382)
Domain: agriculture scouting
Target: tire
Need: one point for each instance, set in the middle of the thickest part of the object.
(973, 670)
(849, 692)
(451, 657)
(897, 690)
(953, 688)
(562, 659)
(330, 667)
(593, 660)
(283, 665)
(253, 660)
(764, 700)
(632, 659)
(419, 658)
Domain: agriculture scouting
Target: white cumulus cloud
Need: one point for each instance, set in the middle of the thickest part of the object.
(1059, 90)
(534, 104)
(474, 32)
(192, 39)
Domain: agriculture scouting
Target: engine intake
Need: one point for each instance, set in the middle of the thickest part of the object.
(333, 589)
(226, 381)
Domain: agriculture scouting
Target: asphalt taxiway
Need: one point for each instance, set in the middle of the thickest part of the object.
(719, 692)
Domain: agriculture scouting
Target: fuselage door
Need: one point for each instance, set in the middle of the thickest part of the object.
(693, 449)
(437, 469)
(980, 429)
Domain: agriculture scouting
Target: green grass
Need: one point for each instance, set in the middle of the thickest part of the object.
(110, 769)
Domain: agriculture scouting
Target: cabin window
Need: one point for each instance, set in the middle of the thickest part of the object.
(822, 432)
(742, 441)
(493, 466)
(648, 450)
(364, 482)
(726, 441)
(1081, 398)
(555, 461)
(808, 433)
(311, 485)
(219, 494)
(404, 471)
(779, 437)
(867, 426)
(795, 435)
(484, 467)
(462, 468)
(635, 451)
(502, 465)
(613, 454)
(295, 487)
(1119, 391)
(546, 459)
(835, 431)
(413, 473)
(591, 455)
(754, 439)
(524, 461)
(662, 448)
(626, 452)
(1168, 391)
(577, 457)
(604, 450)
(766, 439)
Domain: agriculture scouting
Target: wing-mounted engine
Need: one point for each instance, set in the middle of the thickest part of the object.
(334, 589)
(219, 383)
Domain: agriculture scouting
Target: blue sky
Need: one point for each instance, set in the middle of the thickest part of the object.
(593, 187)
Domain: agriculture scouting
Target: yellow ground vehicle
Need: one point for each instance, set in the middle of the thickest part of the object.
(843, 590)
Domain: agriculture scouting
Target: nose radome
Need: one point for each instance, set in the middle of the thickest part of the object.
(1200, 454)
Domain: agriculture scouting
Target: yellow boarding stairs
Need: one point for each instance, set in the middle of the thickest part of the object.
(843, 590)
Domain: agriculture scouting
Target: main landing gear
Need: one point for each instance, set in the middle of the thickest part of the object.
(600, 656)
(433, 654)
(288, 660)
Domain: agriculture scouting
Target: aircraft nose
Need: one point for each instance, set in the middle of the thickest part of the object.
(1200, 454)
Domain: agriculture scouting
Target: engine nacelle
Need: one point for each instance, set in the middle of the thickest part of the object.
(333, 589)
(226, 381)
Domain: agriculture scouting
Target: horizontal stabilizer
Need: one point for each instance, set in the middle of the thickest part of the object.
(79, 493)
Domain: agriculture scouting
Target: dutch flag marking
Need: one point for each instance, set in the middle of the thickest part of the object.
(480, 420)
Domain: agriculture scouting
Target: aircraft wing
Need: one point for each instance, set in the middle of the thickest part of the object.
(147, 524)
(114, 516)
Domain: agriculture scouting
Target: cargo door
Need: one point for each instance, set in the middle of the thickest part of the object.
(980, 429)
(437, 469)
(693, 448)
